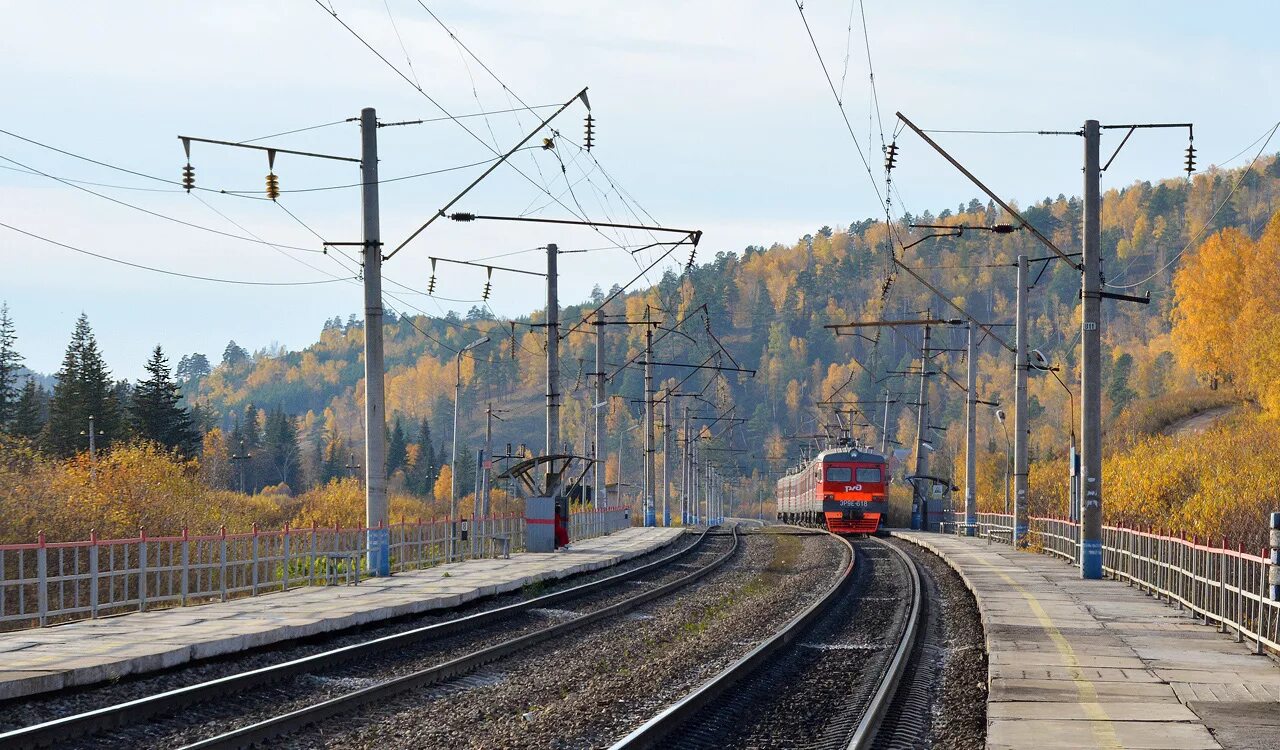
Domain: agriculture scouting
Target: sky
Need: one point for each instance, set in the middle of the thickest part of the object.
(713, 115)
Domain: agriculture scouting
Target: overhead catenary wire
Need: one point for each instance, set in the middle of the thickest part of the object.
(165, 271)
(223, 191)
(156, 214)
(1208, 222)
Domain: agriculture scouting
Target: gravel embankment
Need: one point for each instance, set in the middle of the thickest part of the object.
(29, 711)
(955, 643)
(810, 694)
(596, 685)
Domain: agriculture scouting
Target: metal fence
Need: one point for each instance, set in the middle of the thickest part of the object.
(1219, 585)
(43, 583)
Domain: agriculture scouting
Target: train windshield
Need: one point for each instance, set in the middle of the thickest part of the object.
(841, 473)
(869, 475)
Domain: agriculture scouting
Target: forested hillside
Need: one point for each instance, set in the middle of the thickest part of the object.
(768, 306)
(296, 416)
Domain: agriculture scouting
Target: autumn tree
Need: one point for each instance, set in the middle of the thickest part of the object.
(1207, 300)
(215, 464)
(155, 410)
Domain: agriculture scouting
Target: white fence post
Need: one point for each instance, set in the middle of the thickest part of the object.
(93, 573)
(1273, 568)
(186, 563)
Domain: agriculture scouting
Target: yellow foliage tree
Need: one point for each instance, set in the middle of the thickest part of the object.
(1207, 290)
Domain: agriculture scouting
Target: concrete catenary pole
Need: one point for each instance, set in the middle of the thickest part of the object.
(919, 513)
(686, 471)
(487, 465)
(971, 439)
(884, 431)
(553, 361)
(666, 459)
(375, 407)
(1091, 363)
(1020, 427)
(650, 513)
(601, 453)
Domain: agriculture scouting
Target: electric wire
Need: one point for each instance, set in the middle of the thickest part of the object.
(434, 102)
(408, 60)
(166, 271)
(155, 213)
(1208, 222)
(224, 191)
(512, 93)
(299, 130)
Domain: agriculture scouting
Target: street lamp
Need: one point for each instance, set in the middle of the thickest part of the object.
(1037, 361)
(1000, 417)
(453, 469)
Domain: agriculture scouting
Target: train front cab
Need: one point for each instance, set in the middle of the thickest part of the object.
(853, 496)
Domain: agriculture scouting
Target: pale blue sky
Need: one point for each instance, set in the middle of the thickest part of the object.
(712, 115)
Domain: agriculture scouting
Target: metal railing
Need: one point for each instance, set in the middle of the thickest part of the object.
(1218, 585)
(43, 583)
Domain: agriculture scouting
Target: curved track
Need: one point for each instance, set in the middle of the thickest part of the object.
(135, 712)
(825, 679)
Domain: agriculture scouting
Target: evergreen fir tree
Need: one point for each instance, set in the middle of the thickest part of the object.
(84, 389)
(10, 361)
(422, 477)
(29, 416)
(280, 445)
(155, 410)
(397, 448)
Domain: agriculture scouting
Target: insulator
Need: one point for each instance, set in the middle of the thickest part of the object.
(189, 177)
(693, 253)
(890, 156)
(513, 356)
(1191, 159)
(431, 284)
(273, 186)
(591, 132)
(484, 296)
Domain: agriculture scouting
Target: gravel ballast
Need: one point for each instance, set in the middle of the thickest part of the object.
(956, 641)
(26, 712)
(591, 688)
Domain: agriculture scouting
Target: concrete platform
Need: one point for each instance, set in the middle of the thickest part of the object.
(89, 651)
(1097, 664)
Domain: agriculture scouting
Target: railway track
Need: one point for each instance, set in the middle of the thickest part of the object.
(825, 679)
(131, 714)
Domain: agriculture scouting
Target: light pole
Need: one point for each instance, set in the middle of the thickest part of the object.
(240, 458)
(1038, 361)
(621, 434)
(453, 469)
(1000, 417)
(93, 449)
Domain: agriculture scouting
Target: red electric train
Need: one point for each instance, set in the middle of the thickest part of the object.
(842, 490)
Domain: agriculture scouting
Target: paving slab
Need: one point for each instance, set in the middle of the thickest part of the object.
(88, 651)
(1098, 664)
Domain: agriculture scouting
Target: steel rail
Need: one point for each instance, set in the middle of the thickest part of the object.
(655, 730)
(652, 733)
(264, 731)
(51, 732)
(865, 734)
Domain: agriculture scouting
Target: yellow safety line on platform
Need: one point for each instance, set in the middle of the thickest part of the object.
(1103, 732)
